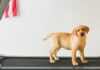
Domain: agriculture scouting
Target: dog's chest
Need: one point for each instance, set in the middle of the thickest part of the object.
(78, 42)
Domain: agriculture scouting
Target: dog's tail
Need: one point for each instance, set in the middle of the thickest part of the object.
(48, 36)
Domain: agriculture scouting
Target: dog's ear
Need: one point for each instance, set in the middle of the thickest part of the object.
(75, 32)
(86, 29)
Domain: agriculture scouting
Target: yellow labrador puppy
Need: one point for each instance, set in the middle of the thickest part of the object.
(74, 41)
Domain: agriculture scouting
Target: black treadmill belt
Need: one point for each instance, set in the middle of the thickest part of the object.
(43, 63)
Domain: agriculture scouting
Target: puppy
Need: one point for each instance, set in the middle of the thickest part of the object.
(74, 41)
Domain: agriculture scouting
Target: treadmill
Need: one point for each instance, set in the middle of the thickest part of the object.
(42, 63)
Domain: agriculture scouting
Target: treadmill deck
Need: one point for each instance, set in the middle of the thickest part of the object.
(43, 63)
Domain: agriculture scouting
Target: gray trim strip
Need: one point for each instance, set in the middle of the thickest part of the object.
(2, 7)
(50, 67)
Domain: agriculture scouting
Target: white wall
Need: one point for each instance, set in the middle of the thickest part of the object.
(22, 35)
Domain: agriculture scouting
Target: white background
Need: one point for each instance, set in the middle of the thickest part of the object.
(22, 35)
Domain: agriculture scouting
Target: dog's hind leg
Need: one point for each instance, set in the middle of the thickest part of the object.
(54, 50)
(55, 54)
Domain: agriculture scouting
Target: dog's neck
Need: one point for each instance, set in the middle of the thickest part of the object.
(79, 37)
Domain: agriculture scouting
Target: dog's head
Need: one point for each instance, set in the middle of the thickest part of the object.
(81, 30)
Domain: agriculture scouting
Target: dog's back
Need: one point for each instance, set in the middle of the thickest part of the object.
(61, 38)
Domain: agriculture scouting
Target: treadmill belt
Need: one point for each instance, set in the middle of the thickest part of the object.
(43, 63)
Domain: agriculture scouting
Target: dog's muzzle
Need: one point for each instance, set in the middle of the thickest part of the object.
(82, 34)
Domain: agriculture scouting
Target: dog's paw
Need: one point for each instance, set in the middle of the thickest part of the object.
(52, 61)
(75, 64)
(85, 61)
(56, 59)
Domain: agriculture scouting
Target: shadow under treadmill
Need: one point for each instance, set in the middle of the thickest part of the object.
(42, 63)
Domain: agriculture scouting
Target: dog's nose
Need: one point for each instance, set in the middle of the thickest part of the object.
(82, 34)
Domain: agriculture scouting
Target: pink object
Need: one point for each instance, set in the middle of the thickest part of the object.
(11, 9)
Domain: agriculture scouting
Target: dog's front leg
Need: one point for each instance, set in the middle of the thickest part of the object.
(74, 61)
(81, 51)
